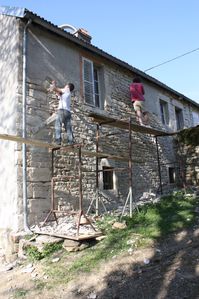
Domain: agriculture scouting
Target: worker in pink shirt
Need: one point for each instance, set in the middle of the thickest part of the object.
(137, 98)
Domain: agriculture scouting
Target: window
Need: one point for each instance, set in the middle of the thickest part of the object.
(107, 178)
(164, 112)
(195, 118)
(179, 118)
(172, 175)
(91, 78)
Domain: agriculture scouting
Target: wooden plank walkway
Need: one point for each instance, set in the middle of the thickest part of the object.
(124, 124)
(32, 142)
(67, 148)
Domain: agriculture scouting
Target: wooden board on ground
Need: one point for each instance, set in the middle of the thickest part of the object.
(73, 237)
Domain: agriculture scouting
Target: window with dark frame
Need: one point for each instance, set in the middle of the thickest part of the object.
(172, 175)
(91, 83)
(179, 118)
(107, 178)
(164, 112)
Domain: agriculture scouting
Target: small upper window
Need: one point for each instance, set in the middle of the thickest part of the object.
(195, 118)
(172, 175)
(164, 112)
(91, 78)
(179, 118)
(107, 178)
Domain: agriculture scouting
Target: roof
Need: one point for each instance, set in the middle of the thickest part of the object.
(27, 14)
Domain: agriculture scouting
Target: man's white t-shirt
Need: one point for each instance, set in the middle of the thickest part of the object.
(65, 99)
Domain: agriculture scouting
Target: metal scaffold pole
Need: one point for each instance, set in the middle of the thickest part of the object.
(130, 193)
(130, 172)
(159, 169)
(97, 172)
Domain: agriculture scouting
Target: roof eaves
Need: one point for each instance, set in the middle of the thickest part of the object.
(50, 26)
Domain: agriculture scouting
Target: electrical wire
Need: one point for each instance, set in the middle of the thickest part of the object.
(177, 57)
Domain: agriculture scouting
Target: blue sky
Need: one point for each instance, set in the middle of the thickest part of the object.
(142, 33)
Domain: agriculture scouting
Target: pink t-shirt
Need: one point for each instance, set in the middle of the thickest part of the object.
(137, 92)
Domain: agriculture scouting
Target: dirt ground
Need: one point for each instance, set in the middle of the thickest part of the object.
(167, 270)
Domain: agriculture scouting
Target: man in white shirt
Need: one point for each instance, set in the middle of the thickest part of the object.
(63, 112)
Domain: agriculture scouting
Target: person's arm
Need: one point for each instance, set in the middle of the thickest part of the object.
(56, 89)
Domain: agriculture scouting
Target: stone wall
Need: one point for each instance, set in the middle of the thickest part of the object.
(145, 167)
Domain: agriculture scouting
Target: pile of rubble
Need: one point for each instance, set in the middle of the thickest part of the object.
(66, 226)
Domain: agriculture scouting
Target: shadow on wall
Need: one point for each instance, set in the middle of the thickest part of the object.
(146, 177)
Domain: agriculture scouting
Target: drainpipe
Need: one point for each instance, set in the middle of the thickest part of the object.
(24, 164)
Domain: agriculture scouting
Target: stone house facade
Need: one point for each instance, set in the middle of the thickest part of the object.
(34, 50)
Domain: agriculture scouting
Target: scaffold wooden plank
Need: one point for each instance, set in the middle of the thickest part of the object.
(32, 142)
(67, 148)
(124, 124)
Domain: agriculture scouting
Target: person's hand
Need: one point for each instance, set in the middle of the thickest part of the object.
(52, 86)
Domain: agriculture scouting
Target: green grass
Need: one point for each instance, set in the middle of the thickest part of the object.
(151, 223)
(20, 293)
(35, 255)
(170, 214)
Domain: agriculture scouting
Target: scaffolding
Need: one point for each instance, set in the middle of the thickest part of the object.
(128, 126)
(53, 210)
(100, 121)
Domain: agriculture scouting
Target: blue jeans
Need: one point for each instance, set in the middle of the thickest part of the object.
(63, 117)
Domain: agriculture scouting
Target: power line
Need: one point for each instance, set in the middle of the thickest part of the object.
(177, 57)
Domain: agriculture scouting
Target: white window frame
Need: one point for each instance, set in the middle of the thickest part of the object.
(114, 191)
(90, 84)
